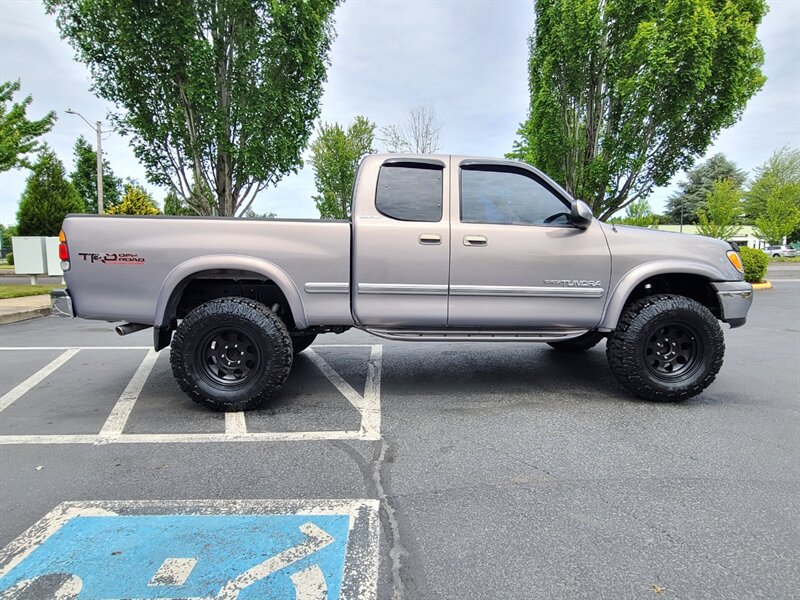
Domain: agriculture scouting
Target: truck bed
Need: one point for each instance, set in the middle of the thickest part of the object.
(121, 266)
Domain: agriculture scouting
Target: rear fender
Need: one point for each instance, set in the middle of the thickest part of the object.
(186, 270)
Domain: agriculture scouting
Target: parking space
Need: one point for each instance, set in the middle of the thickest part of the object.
(468, 470)
(126, 394)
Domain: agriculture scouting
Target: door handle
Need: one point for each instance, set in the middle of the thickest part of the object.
(475, 240)
(430, 239)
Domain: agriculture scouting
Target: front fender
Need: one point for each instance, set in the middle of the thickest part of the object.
(626, 285)
(187, 269)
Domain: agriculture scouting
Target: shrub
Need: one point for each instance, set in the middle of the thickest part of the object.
(10, 258)
(755, 264)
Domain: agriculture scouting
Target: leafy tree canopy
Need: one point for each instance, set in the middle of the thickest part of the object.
(625, 93)
(47, 199)
(221, 93)
(699, 182)
(779, 176)
(18, 135)
(335, 156)
(722, 210)
(177, 206)
(84, 178)
(135, 201)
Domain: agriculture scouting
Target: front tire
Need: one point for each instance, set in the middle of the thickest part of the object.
(231, 354)
(666, 348)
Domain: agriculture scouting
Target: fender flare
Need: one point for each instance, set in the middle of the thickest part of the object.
(187, 269)
(626, 285)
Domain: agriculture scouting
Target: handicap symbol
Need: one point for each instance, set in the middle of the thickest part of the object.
(93, 575)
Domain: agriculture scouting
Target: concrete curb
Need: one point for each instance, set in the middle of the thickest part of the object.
(764, 285)
(24, 315)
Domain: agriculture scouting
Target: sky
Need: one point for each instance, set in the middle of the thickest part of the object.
(465, 59)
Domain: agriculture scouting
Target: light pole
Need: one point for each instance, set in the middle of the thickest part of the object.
(97, 127)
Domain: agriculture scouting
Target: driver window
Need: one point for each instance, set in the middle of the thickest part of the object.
(507, 196)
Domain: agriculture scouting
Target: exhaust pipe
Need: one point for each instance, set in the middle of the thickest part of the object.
(130, 328)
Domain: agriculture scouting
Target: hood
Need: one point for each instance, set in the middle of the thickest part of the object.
(633, 246)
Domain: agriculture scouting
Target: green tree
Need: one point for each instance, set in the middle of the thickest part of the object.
(638, 214)
(175, 205)
(84, 178)
(625, 93)
(251, 214)
(221, 93)
(781, 170)
(722, 210)
(18, 135)
(335, 155)
(780, 215)
(135, 201)
(700, 180)
(48, 197)
(6, 233)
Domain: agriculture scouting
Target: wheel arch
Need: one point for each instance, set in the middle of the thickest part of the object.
(689, 279)
(182, 275)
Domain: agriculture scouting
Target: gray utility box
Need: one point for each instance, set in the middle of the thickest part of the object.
(30, 255)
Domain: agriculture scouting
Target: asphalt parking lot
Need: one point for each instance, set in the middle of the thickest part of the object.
(463, 470)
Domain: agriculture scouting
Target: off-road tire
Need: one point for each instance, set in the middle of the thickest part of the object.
(301, 342)
(581, 343)
(209, 373)
(648, 363)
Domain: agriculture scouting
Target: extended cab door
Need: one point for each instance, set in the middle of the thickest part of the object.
(516, 261)
(401, 243)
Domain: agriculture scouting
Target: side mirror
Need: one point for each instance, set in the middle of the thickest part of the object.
(581, 215)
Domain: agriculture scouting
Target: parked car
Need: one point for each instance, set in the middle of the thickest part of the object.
(439, 248)
(781, 251)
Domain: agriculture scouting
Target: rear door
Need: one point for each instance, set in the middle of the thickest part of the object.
(401, 243)
(516, 262)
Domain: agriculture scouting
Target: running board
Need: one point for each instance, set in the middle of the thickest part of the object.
(476, 335)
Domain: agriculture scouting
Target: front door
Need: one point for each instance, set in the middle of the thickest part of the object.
(401, 249)
(516, 262)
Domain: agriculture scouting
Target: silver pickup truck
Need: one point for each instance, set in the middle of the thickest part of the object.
(440, 248)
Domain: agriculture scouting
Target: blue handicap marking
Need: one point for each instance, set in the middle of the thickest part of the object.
(209, 556)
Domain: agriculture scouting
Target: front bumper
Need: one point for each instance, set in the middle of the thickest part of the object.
(61, 303)
(735, 298)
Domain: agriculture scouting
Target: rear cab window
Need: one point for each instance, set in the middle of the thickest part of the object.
(410, 192)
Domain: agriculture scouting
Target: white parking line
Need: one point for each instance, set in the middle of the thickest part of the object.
(115, 423)
(235, 423)
(18, 348)
(10, 397)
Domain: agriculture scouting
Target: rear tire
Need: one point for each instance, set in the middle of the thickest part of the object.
(231, 354)
(579, 344)
(301, 342)
(666, 348)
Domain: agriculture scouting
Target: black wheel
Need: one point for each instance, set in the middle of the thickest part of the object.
(231, 354)
(302, 341)
(579, 344)
(666, 348)
(776, 256)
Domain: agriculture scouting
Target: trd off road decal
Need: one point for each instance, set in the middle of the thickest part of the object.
(112, 258)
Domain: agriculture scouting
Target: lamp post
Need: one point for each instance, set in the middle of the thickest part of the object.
(97, 127)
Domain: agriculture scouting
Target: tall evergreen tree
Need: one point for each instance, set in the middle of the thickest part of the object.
(84, 178)
(47, 199)
(699, 183)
